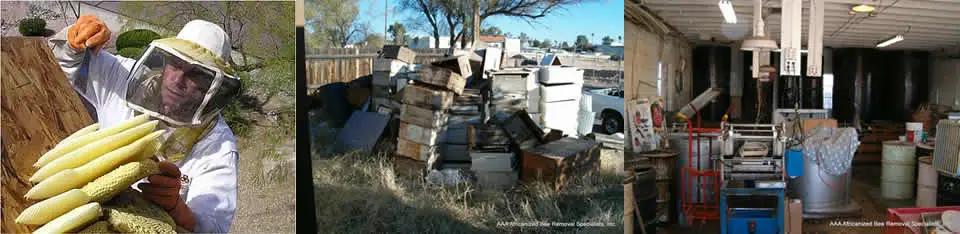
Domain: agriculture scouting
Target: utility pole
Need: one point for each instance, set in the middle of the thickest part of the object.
(386, 10)
(476, 22)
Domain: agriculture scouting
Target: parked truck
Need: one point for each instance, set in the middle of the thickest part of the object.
(608, 104)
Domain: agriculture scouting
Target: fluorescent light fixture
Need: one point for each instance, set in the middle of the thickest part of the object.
(726, 7)
(862, 8)
(890, 41)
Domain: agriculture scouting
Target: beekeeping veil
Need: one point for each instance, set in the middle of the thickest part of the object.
(184, 80)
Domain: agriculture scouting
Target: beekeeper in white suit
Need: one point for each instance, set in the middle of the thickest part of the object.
(184, 81)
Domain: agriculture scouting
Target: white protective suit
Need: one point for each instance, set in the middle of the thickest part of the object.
(211, 165)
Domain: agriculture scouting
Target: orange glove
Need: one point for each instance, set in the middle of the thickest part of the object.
(164, 190)
(88, 32)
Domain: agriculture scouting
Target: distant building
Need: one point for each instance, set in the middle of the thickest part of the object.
(612, 49)
(509, 45)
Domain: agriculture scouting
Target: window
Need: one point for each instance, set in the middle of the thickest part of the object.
(660, 79)
(827, 91)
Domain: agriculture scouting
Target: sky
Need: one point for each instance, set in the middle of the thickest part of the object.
(600, 17)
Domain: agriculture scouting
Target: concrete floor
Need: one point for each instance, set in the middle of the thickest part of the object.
(865, 190)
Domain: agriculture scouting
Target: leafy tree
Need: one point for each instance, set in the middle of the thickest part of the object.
(535, 43)
(564, 45)
(399, 33)
(491, 31)
(582, 42)
(546, 43)
(373, 40)
(453, 14)
(607, 40)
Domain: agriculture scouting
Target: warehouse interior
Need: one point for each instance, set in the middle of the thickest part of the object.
(846, 124)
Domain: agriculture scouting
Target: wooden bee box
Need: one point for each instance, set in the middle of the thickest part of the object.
(458, 64)
(421, 134)
(427, 97)
(561, 161)
(399, 53)
(422, 116)
(415, 151)
(442, 77)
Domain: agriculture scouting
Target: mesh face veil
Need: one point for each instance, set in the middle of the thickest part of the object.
(181, 83)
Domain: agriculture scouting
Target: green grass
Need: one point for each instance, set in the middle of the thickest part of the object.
(359, 193)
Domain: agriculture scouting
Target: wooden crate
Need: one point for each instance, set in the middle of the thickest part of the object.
(458, 64)
(487, 134)
(416, 151)
(560, 162)
(422, 116)
(421, 134)
(441, 77)
(522, 130)
(428, 97)
(409, 168)
(397, 52)
(40, 109)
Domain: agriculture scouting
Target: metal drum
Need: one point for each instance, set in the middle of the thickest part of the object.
(899, 170)
(824, 195)
(709, 145)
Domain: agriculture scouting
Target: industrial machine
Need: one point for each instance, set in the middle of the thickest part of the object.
(753, 178)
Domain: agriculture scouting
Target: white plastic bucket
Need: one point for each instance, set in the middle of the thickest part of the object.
(926, 183)
(899, 165)
(914, 132)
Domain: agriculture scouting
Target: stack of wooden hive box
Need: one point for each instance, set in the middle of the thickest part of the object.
(424, 114)
(389, 76)
(465, 111)
(515, 89)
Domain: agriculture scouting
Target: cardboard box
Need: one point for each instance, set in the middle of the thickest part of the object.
(810, 124)
(414, 150)
(560, 161)
(442, 77)
(492, 161)
(428, 97)
(496, 180)
(390, 66)
(421, 134)
(422, 116)
(458, 64)
(793, 221)
(399, 53)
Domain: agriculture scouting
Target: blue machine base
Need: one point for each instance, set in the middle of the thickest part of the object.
(738, 221)
(752, 222)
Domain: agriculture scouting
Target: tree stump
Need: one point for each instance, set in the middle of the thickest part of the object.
(39, 108)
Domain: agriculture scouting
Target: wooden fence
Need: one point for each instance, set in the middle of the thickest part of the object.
(331, 65)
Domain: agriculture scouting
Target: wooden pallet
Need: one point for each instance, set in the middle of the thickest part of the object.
(39, 109)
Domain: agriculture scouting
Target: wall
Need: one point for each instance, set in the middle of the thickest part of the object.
(643, 50)
(872, 84)
(945, 81)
